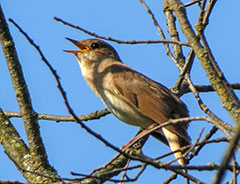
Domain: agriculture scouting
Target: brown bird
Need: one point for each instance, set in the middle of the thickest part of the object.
(132, 97)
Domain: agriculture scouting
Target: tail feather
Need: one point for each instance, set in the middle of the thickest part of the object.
(174, 143)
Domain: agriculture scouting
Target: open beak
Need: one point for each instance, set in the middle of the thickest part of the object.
(79, 45)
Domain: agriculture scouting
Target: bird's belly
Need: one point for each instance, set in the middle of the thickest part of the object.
(126, 111)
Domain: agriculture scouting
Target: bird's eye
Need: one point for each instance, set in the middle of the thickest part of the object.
(95, 45)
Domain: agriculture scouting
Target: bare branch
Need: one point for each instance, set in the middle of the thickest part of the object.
(12, 182)
(117, 40)
(37, 159)
(209, 88)
(228, 98)
(36, 146)
(86, 117)
(169, 53)
(192, 3)
(228, 154)
(9, 135)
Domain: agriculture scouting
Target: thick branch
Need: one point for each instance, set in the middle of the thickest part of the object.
(226, 95)
(13, 145)
(228, 98)
(37, 150)
(18, 152)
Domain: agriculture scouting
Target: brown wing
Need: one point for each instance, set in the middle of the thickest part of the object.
(151, 98)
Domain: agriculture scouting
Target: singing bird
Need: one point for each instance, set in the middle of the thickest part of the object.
(131, 96)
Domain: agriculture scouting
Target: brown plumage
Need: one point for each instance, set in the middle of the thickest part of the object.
(129, 95)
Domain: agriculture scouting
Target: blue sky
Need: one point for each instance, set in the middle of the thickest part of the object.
(69, 147)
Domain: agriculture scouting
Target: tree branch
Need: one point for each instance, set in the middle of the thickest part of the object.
(86, 117)
(228, 98)
(117, 40)
(36, 147)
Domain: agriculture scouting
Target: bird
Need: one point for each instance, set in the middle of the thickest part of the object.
(131, 96)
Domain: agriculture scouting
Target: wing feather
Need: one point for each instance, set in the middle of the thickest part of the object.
(151, 98)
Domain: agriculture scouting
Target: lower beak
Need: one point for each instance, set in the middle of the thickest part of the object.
(79, 45)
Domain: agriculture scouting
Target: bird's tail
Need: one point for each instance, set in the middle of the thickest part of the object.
(174, 144)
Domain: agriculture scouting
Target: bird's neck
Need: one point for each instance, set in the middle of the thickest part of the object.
(95, 73)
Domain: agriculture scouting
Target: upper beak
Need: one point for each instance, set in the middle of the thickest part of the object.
(79, 45)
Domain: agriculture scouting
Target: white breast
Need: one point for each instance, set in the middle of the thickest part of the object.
(123, 109)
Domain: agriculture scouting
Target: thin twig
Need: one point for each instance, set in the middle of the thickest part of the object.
(112, 180)
(117, 40)
(155, 22)
(223, 126)
(183, 71)
(227, 156)
(200, 168)
(202, 143)
(154, 162)
(86, 117)
(209, 88)
(192, 2)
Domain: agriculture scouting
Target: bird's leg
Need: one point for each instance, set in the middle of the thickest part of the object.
(137, 137)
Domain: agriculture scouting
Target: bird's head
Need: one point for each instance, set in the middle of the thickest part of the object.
(93, 50)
